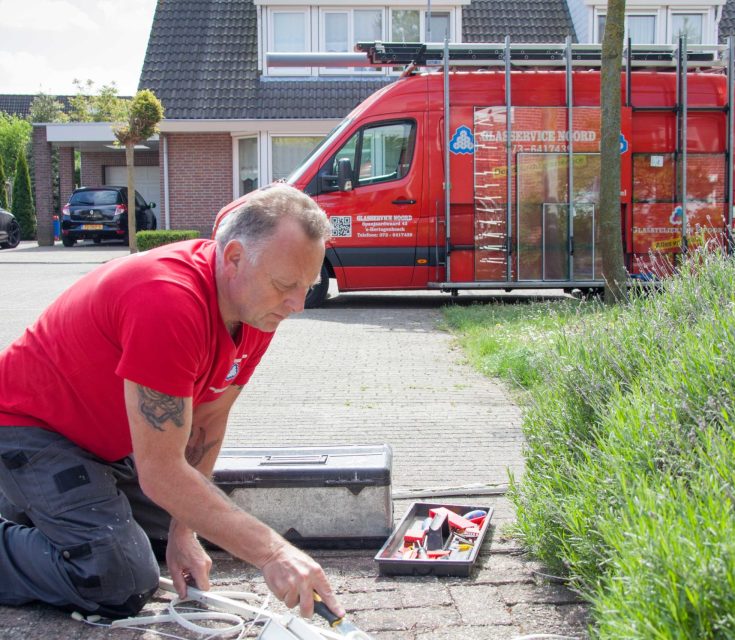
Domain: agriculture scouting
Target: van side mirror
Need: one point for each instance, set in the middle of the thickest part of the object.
(340, 182)
(344, 174)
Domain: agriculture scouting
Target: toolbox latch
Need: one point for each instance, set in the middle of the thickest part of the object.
(298, 459)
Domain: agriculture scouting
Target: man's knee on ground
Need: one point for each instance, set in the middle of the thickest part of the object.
(118, 572)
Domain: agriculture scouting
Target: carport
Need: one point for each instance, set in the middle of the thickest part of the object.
(101, 162)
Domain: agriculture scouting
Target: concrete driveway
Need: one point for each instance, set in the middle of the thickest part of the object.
(367, 368)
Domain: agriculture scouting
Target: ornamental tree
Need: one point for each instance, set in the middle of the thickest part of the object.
(144, 114)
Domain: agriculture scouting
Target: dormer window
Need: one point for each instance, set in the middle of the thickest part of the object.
(331, 26)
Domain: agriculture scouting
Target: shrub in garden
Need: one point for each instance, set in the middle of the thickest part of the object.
(629, 487)
(3, 190)
(22, 199)
(149, 239)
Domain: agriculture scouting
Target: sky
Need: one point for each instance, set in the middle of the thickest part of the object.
(46, 44)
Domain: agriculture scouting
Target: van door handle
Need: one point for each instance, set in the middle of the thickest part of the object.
(399, 201)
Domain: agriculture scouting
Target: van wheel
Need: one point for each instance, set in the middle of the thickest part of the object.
(316, 297)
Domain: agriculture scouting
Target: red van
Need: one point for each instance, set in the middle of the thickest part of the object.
(505, 193)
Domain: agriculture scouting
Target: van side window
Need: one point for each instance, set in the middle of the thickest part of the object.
(379, 153)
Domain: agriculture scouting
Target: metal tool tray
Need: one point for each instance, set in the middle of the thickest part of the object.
(336, 496)
(388, 565)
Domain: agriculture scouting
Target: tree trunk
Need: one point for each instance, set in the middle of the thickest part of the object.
(611, 242)
(130, 161)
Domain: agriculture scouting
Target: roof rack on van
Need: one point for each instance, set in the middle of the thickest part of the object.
(532, 54)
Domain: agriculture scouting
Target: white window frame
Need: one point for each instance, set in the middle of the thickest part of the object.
(455, 26)
(659, 27)
(664, 13)
(706, 23)
(270, 38)
(236, 161)
(454, 36)
(314, 13)
(341, 71)
(282, 134)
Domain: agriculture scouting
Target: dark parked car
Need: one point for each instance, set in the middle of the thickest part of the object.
(9, 230)
(101, 213)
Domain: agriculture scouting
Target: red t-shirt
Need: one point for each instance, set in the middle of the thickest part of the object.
(152, 318)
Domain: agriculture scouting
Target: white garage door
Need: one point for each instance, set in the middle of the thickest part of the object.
(147, 184)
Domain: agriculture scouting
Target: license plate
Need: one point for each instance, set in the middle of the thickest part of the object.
(92, 227)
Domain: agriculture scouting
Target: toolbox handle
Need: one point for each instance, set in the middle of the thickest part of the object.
(302, 459)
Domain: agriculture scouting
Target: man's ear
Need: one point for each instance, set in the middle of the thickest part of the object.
(233, 257)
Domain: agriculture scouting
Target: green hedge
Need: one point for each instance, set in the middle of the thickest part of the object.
(150, 239)
(629, 486)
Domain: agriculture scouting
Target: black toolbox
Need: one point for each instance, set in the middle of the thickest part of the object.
(390, 557)
(337, 496)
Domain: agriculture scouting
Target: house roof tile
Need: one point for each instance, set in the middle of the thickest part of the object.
(17, 104)
(727, 21)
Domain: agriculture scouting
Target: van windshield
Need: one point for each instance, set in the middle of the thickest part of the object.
(316, 153)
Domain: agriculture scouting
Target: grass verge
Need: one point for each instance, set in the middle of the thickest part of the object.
(629, 486)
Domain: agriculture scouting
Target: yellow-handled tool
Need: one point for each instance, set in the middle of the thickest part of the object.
(340, 625)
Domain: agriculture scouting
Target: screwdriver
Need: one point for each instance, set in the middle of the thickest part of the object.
(340, 625)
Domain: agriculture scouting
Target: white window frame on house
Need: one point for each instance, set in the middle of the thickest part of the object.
(272, 135)
(706, 24)
(664, 14)
(315, 12)
(289, 71)
(653, 13)
(236, 177)
(351, 38)
(454, 36)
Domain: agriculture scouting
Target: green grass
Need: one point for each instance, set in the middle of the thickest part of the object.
(629, 487)
(507, 341)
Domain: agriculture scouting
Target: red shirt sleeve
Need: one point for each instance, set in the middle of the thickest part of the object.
(163, 328)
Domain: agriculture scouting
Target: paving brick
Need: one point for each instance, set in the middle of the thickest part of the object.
(568, 620)
(420, 592)
(543, 593)
(480, 606)
(472, 633)
(503, 568)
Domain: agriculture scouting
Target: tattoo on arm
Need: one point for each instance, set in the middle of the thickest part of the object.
(158, 408)
(197, 448)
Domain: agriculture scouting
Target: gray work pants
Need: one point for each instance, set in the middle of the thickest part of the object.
(74, 529)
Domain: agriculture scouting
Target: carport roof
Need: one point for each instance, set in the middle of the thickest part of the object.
(202, 59)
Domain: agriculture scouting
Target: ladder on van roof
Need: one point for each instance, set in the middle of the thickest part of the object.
(535, 55)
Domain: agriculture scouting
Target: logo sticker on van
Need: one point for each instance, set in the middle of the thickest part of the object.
(462, 141)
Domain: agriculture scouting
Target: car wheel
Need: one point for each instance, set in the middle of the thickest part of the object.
(67, 241)
(316, 297)
(13, 235)
(97, 240)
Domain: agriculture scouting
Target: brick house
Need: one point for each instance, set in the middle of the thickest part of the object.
(232, 124)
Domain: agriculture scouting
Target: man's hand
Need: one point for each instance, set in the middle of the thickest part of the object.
(188, 563)
(293, 577)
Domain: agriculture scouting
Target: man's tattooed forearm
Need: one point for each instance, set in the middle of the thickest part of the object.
(197, 448)
(158, 408)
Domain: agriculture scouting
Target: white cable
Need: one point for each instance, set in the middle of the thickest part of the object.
(184, 620)
(236, 616)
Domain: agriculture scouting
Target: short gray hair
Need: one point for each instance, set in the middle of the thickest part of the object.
(256, 220)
